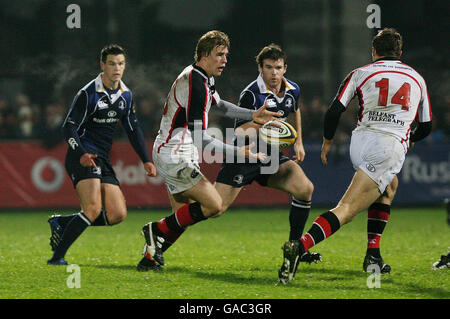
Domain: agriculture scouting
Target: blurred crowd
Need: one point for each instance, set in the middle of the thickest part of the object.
(21, 119)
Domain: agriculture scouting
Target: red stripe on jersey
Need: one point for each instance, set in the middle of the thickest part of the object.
(361, 104)
(345, 87)
(204, 105)
(409, 129)
(171, 128)
(190, 94)
(429, 107)
(325, 225)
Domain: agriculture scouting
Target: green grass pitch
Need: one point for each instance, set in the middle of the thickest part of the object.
(236, 256)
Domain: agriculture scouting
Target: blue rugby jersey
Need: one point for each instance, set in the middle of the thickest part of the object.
(92, 120)
(256, 93)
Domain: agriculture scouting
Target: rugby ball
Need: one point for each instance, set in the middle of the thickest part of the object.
(279, 133)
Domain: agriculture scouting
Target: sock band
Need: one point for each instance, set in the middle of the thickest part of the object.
(301, 203)
(195, 210)
(323, 227)
(84, 218)
(378, 216)
(183, 216)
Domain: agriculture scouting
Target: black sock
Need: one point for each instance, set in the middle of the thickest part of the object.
(298, 215)
(73, 230)
(101, 220)
(64, 220)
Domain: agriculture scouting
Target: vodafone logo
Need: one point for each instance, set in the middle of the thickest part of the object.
(43, 165)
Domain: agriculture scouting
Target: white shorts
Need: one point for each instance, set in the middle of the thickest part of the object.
(178, 175)
(379, 155)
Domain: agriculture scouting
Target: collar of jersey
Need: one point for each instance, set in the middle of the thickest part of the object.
(204, 74)
(263, 88)
(100, 88)
(390, 58)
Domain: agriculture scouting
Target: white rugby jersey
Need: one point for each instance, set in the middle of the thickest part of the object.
(189, 101)
(391, 96)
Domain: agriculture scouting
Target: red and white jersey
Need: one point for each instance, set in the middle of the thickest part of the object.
(391, 96)
(188, 102)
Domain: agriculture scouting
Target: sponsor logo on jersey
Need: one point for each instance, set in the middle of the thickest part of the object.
(370, 167)
(102, 121)
(194, 173)
(102, 105)
(96, 170)
(271, 103)
(238, 179)
(288, 103)
(72, 143)
(170, 187)
(112, 113)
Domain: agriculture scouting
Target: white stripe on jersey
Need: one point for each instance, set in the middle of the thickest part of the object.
(391, 95)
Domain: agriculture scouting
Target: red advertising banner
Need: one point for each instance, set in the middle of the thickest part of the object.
(34, 177)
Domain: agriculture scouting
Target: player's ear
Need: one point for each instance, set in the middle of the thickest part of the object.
(102, 65)
(400, 54)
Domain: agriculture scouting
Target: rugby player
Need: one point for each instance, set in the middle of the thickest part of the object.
(281, 95)
(175, 154)
(392, 95)
(88, 130)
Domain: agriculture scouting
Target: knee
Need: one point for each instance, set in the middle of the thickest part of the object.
(116, 216)
(222, 210)
(92, 211)
(212, 208)
(344, 214)
(304, 191)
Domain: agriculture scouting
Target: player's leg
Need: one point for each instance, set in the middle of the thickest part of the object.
(147, 262)
(207, 202)
(360, 194)
(89, 193)
(115, 209)
(228, 193)
(291, 179)
(377, 218)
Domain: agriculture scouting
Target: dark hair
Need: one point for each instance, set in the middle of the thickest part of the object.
(272, 52)
(388, 42)
(209, 41)
(113, 49)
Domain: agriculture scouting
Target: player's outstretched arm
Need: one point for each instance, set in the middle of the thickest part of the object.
(262, 116)
(259, 116)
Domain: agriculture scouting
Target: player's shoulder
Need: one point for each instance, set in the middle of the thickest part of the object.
(192, 76)
(89, 88)
(292, 86)
(394, 67)
(252, 87)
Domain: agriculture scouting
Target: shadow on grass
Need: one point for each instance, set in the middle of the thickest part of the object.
(111, 267)
(322, 279)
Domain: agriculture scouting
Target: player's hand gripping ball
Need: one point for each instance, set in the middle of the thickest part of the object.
(278, 132)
